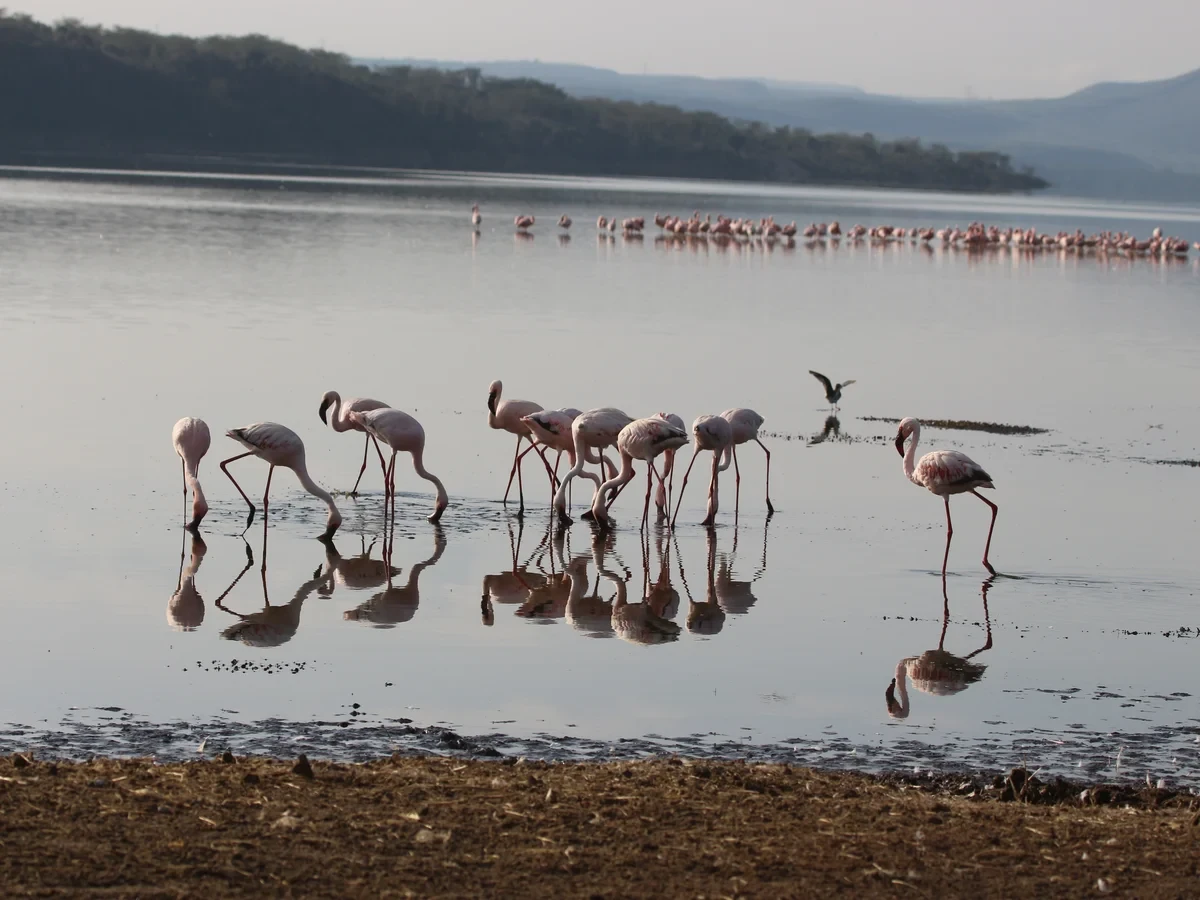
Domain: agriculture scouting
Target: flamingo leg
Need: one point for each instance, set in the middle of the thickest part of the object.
(224, 464)
(711, 518)
(366, 450)
(513, 472)
(949, 534)
(737, 494)
(183, 468)
(683, 487)
(389, 506)
(520, 483)
(266, 497)
(650, 473)
(770, 508)
(988, 546)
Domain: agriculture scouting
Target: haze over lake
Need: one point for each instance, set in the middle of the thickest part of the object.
(130, 301)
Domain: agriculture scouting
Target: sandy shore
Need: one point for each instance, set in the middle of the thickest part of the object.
(438, 827)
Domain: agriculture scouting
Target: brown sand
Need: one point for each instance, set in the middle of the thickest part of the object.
(452, 828)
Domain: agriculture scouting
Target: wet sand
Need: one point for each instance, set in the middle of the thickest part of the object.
(427, 827)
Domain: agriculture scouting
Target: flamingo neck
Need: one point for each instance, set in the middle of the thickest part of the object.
(910, 455)
(335, 517)
(579, 456)
(199, 504)
(419, 465)
(726, 457)
(626, 474)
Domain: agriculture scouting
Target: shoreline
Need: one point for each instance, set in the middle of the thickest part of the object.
(434, 826)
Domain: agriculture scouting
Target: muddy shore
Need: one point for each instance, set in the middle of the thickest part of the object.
(438, 827)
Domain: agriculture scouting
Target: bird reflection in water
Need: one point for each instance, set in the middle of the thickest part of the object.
(706, 617)
(273, 625)
(938, 672)
(512, 585)
(832, 430)
(398, 603)
(356, 573)
(185, 609)
(643, 623)
(736, 597)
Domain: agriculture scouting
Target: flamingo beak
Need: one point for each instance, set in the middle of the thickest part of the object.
(492, 403)
(321, 412)
(900, 443)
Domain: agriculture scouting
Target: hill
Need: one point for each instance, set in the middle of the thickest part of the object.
(1135, 140)
(91, 95)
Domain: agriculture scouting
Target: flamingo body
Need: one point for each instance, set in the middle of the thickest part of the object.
(642, 439)
(595, 429)
(403, 434)
(744, 424)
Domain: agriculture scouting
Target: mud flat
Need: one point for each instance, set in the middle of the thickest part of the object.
(437, 827)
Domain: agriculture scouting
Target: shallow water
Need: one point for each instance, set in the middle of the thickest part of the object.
(129, 302)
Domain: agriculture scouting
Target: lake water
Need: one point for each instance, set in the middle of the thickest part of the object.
(127, 302)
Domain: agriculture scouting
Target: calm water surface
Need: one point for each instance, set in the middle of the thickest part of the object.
(128, 302)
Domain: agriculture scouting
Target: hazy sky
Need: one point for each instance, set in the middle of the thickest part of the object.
(1008, 48)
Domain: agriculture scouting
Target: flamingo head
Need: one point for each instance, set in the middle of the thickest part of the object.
(494, 390)
(327, 401)
(331, 525)
(907, 427)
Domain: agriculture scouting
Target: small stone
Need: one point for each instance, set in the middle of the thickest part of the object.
(227, 758)
(251, 778)
(303, 768)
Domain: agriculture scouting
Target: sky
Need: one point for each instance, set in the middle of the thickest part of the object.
(1005, 49)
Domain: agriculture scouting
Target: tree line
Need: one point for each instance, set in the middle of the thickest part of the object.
(87, 93)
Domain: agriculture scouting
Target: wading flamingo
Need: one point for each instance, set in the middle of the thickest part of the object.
(340, 422)
(552, 428)
(476, 217)
(403, 434)
(564, 221)
(945, 472)
(278, 445)
(666, 484)
(507, 415)
(595, 430)
(711, 433)
(642, 439)
(191, 439)
(745, 424)
(833, 392)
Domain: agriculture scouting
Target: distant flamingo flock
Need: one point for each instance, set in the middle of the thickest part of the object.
(975, 236)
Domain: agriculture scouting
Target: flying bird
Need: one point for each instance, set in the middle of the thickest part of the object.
(833, 392)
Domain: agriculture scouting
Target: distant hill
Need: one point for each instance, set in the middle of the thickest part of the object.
(1118, 140)
(73, 92)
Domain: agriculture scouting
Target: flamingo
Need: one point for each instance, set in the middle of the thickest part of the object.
(507, 415)
(745, 424)
(341, 423)
(641, 439)
(945, 472)
(552, 428)
(476, 218)
(191, 439)
(523, 222)
(602, 223)
(278, 445)
(564, 221)
(595, 429)
(403, 434)
(711, 433)
(833, 393)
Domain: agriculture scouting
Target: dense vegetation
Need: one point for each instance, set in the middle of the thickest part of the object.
(72, 91)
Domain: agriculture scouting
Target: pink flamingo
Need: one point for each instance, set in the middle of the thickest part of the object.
(507, 415)
(745, 424)
(564, 221)
(602, 223)
(552, 428)
(191, 440)
(595, 430)
(945, 472)
(641, 439)
(341, 422)
(523, 222)
(278, 445)
(711, 433)
(403, 434)
(661, 503)
(476, 218)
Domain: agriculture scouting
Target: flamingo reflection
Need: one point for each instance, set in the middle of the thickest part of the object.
(938, 672)
(273, 625)
(398, 603)
(637, 623)
(354, 572)
(512, 585)
(185, 609)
